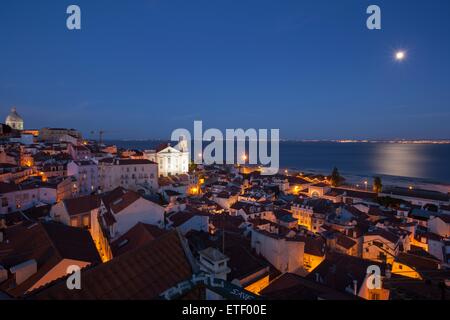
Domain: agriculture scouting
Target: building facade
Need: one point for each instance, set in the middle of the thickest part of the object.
(171, 160)
(14, 120)
(132, 174)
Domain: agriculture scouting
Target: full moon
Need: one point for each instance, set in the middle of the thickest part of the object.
(400, 55)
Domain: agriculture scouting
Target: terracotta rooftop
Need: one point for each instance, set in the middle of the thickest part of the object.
(48, 244)
(293, 287)
(81, 205)
(129, 162)
(181, 217)
(141, 274)
(136, 237)
(117, 200)
(338, 271)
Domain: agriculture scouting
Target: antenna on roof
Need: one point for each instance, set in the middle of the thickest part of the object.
(223, 233)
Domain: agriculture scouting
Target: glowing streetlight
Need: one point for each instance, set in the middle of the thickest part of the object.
(244, 157)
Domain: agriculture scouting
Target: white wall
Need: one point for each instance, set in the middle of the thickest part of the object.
(141, 210)
(197, 223)
(439, 227)
(111, 176)
(286, 256)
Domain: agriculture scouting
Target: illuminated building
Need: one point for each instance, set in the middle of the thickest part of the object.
(14, 120)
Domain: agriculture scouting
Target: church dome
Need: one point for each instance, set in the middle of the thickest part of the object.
(14, 120)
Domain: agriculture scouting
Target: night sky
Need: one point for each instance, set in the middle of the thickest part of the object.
(139, 69)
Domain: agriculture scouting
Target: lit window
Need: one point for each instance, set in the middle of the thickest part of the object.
(74, 222)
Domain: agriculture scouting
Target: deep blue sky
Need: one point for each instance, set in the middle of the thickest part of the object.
(140, 69)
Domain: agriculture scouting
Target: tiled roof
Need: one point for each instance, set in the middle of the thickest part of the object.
(344, 241)
(338, 271)
(290, 286)
(136, 237)
(47, 244)
(8, 187)
(119, 198)
(243, 262)
(81, 163)
(141, 274)
(418, 263)
(81, 205)
(162, 146)
(314, 246)
(180, 218)
(227, 222)
(129, 162)
(391, 237)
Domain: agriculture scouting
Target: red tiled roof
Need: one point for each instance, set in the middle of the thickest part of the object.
(227, 222)
(162, 146)
(339, 271)
(290, 286)
(141, 274)
(181, 217)
(128, 162)
(119, 198)
(344, 241)
(81, 205)
(8, 187)
(47, 244)
(391, 237)
(136, 237)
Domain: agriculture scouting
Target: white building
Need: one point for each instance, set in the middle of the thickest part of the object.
(170, 160)
(121, 209)
(22, 197)
(133, 174)
(86, 173)
(284, 252)
(381, 245)
(14, 120)
(186, 221)
(76, 212)
(440, 225)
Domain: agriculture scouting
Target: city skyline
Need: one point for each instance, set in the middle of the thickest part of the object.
(311, 69)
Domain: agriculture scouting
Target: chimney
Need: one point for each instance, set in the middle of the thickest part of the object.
(24, 271)
(355, 287)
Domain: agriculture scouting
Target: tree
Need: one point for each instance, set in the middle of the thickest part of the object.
(377, 185)
(335, 178)
(192, 167)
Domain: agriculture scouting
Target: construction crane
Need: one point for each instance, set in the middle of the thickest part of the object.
(101, 133)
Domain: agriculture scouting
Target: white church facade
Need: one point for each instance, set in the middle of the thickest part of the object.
(171, 160)
(14, 120)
